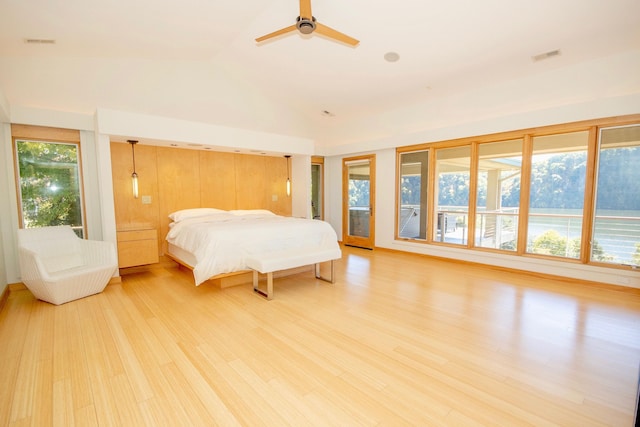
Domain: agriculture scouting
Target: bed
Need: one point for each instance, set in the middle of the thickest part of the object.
(215, 242)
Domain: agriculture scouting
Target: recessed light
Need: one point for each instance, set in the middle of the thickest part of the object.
(391, 56)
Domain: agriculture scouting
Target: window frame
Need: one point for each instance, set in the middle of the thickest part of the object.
(593, 127)
(594, 192)
(42, 134)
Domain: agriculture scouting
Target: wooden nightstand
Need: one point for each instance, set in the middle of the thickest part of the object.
(137, 247)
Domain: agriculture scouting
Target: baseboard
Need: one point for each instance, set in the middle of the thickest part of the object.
(14, 287)
(4, 297)
(571, 280)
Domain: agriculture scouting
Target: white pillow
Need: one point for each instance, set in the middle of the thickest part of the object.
(251, 212)
(193, 213)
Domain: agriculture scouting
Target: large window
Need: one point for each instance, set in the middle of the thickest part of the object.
(556, 196)
(564, 191)
(616, 226)
(453, 178)
(498, 195)
(412, 218)
(50, 190)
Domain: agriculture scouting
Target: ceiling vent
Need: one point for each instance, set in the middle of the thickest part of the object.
(39, 41)
(546, 55)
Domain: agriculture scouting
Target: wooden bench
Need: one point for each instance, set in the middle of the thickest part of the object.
(290, 258)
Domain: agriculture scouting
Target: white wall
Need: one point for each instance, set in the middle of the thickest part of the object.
(154, 128)
(595, 89)
(300, 186)
(5, 227)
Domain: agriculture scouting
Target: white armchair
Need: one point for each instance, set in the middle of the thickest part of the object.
(57, 266)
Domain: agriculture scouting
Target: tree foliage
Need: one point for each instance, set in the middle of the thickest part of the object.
(618, 172)
(49, 185)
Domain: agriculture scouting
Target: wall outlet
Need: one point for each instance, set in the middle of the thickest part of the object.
(146, 200)
(274, 197)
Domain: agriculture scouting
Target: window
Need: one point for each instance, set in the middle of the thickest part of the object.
(556, 198)
(566, 191)
(50, 189)
(453, 178)
(414, 177)
(616, 227)
(498, 195)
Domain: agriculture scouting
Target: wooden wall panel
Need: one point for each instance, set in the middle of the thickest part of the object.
(218, 180)
(181, 179)
(130, 212)
(276, 172)
(251, 186)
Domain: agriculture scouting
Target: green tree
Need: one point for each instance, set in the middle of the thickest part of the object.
(49, 183)
(555, 179)
(359, 191)
(550, 243)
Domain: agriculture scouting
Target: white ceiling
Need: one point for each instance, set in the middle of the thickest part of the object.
(197, 59)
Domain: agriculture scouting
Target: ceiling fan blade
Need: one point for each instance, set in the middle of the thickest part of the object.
(336, 35)
(277, 33)
(305, 9)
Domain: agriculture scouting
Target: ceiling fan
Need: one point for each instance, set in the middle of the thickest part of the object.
(306, 23)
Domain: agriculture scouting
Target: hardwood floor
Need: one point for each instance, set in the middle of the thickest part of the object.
(399, 339)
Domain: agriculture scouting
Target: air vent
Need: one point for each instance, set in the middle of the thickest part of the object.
(39, 41)
(546, 55)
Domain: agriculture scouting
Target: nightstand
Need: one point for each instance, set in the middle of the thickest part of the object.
(137, 247)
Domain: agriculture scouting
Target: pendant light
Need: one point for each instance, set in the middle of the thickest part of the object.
(134, 175)
(288, 179)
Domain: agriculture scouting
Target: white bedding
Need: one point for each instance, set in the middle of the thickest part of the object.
(221, 242)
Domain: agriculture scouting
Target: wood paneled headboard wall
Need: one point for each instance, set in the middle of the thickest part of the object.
(177, 178)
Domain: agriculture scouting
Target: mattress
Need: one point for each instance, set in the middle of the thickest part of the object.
(220, 243)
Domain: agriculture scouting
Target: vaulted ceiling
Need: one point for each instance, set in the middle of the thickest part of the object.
(198, 60)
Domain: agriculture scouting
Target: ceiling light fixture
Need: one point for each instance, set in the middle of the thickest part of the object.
(288, 178)
(134, 175)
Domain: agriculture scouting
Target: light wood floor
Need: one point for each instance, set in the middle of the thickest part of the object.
(397, 340)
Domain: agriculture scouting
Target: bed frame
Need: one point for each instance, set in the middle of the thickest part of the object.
(243, 277)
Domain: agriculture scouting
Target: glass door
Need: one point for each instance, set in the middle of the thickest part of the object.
(317, 187)
(358, 219)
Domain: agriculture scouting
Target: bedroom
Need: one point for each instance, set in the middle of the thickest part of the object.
(151, 104)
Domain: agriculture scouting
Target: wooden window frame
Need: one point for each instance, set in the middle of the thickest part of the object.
(47, 135)
(591, 126)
